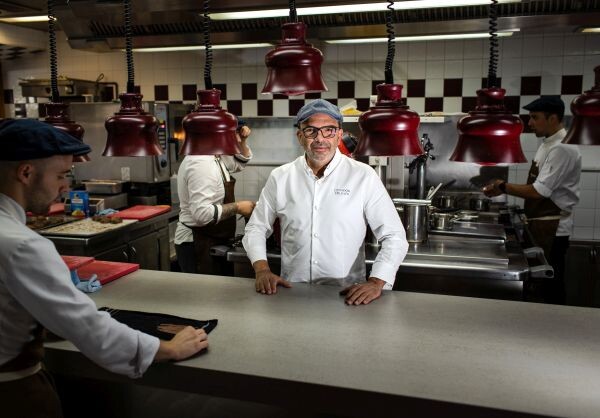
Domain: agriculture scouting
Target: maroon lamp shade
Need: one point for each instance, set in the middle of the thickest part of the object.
(132, 132)
(209, 129)
(58, 116)
(294, 65)
(585, 129)
(489, 134)
(390, 127)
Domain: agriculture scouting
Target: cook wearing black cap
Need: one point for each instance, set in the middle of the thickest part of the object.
(551, 192)
(35, 285)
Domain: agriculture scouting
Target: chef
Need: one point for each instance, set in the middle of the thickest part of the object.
(324, 202)
(36, 291)
(551, 192)
(208, 207)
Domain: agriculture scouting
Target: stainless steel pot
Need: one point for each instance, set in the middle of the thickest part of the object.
(479, 204)
(442, 221)
(445, 202)
(415, 219)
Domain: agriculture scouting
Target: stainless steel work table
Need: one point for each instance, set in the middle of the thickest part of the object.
(407, 354)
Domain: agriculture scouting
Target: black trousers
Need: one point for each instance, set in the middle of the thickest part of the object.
(554, 289)
(30, 397)
(186, 257)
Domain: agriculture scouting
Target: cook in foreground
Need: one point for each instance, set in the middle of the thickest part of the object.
(35, 285)
(324, 202)
(551, 192)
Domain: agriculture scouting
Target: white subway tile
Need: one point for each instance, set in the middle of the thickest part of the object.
(347, 72)
(250, 75)
(434, 69)
(416, 70)
(364, 53)
(400, 70)
(434, 87)
(573, 64)
(452, 104)
(553, 45)
(597, 233)
(362, 89)
(364, 71)
(588, 181)
(583, 217)
(379, 52)
(454, 50)
(474, 68)
(329, 72)
(417, 51)
(435, 50)
(587, 199)
(417, 104)
(330, 53)
(249, 108)
(470, 86)
(473, 49)
(453, 69)
(378, 70)
(551, 84)
(512, 85)
(582, 233)
(332, 90)
(346, 54)
(592, 44)
(513, 47)
(511, 67)
(281, 108)
(532, 66)
(533, 46)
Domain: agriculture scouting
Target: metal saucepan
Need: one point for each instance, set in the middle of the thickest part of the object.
(415, 218)
(479, 204)
(442, 221)
(445, 202)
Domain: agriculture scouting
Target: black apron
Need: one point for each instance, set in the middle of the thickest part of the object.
(219, 233)
(543, 216)
(33, 396)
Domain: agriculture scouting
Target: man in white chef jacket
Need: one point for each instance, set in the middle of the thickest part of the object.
(35, 285)
(551, 192)
(324, 202)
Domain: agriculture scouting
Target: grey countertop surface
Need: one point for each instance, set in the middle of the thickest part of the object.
(416, 353)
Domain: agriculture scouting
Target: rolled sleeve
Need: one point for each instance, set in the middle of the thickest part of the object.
(261, 222)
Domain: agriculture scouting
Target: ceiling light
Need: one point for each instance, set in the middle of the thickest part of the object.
(449, 36)
(590, 30)
(24, 19)
(202, 47)
(351, 8)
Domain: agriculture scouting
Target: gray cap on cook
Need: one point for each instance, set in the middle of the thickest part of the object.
(318, 106)
(30, 139)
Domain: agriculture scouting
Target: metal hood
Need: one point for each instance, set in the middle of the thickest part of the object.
(96, 24)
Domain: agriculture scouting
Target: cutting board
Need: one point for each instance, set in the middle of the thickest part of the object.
(73, 262)
(142, 212)
(107, 271)
(84, 228)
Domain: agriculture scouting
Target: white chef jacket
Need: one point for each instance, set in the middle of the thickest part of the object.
(35, 285)
(201, 190)
(558, 179)
(324, 220)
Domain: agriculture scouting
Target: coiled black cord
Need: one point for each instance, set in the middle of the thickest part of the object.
(391, 46)
(293, 13)
(53, 65)
(492, 81)
(208, 47)
(129, 47)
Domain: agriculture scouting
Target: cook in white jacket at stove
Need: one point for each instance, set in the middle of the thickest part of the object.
(324, 202)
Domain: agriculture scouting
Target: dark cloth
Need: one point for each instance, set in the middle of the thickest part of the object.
(31, 354)
(149, 322)
(30, 139)
(30, 397)
(543, 234)
(186, 257)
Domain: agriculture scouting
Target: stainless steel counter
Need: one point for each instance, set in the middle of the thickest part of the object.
(407, 354)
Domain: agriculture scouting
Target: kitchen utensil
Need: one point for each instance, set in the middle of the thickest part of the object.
(142, 212)
(433, 192)
(479, 204)
(442, 221)
(107, 271)
(415, 218)
(445, 202)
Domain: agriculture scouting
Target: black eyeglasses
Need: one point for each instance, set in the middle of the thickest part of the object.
(311, 132)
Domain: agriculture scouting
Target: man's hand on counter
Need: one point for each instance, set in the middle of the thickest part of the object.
(363, 293)
(184, 344)
(266, 281)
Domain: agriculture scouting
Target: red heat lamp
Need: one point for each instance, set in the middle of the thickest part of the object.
(585, 129)
(389, 128)
(489, 134)
(132, 132)
(58, 116)
(209, 129)
(294, 66)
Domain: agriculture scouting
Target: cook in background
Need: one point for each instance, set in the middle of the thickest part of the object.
(36, 291)
(551, 192)
(208, 208)
(324, 201)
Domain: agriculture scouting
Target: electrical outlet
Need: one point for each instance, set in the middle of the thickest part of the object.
(125, 174)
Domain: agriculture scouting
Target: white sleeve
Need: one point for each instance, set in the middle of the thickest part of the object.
(559, 163)
(237, 162)
(39, 280)
(260, 226)
(387, 227)
(203, 183)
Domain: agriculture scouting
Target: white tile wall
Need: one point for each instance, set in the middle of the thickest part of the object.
(549, 55)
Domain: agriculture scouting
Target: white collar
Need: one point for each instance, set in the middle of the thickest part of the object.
(15, 210)
(557, 137)
(337, 157)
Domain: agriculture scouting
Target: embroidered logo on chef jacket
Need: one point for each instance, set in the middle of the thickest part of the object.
(342, 192)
